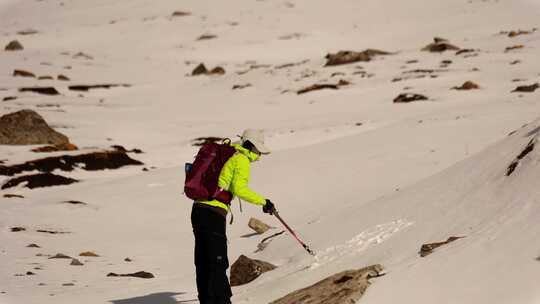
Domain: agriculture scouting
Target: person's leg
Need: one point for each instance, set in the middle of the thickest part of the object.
(202, 270)
(220, 289)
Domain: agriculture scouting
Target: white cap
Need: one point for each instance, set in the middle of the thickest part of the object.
(256, 137)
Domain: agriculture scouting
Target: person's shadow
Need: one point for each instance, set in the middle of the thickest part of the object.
(156, 298)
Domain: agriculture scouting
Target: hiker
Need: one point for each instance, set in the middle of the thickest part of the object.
(208, 218)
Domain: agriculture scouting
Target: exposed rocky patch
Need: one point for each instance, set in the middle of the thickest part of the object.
(513, 47)
(46, 77)
(206, 37)
(13, 196)
(323, 86)
(14, 45)
(258, 226)
(202, 70)
(515, 33)
(40, 90)
(291, 64)
(27, 32)
(530, 147)
(26, 127)
(140, 274)
(23, 73)
(346, 57)
(52, 231)
(86, 88)
(63, 78)
(60, 256)
(409, 97)
(241, 86)
(56, 148)
(75, 262)
(122, 149)
(128, 260)
(90, 162)
(199, 141)
(344, 287)
(180, 14)
(17, 229)
(74, 203)
(465, 51)
(468, 85)
(33, 246)
(527, 88)
(8, 98)
(39, 181)
(89, 254)
(427, 249)
(245, 270)
(440, 45)
(82, 56)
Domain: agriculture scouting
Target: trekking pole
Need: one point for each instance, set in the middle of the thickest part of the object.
(306, 247)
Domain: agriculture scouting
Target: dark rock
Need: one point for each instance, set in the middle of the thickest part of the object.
(200, 70)
(8, 98)
(23, 73)
(83, 56)
(45, 78)
(344, 287)
(199, 141)
(464, 51)
(27, 32)
(180, 14)
(33, 246)
(530, 147)
(63, 78)
(86, 88)
(39, 181)
(345, 57)
(217, 71)
(75, 262)
(56, 148)
(90, 162)
(68, 284)
(14, 46)
(241, 86)
(60, 256)
(409, 97)
(245, 270)
(122, 149)
(13, 196)
(17, 229)
(29, 273)
(513, 34)
(206, 37)
(514, 47)
(316, 87)
(128, 260)
(468, 85)
(515, 62)
(527, 88)
(40, 90)
(427, 249)
(74, 203)
(440, 45)
(51, 231)
(88, 254)
(140, 274)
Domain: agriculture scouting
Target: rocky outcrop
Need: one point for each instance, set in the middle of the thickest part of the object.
(427, 249)
(468, 85)
(323, 86)
(409, 97)
(245, 270)
(39, 181)
(527, 88)
(14, 46)
(23, 73)
(528, 149)
(75, 262)
(258, 226)
(345, 57)
(86, 88)
(89, 254)
(40, 90)
(90, 162)
(27, 127)
(342, 288)
(139, 274)
(56, 148)
(440, 45)
(60, 256)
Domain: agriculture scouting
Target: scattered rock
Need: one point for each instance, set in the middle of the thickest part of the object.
(23, 73)
(344, 287)
(88, 254)
(45, 78)
(427, 249)
(180, 14)
(75, 262)
(83, 56)
(56, 148)
(465, 51)
(515, 62)
(86, 88)
(513, 34)
(33, 246)
(8, 98)
(468, 85)
(51, 231)
(512, 167)
(128, 260)
(29, 273)
(39, 181)
(245, 270)
(60, 256)
(74, 203)
(91, 162)
(27, 32)
(514, 47)
(199, 141)
(13, 196)
(217, 71)
(14, 46)
(411, 61)
(68, 284)
(440, 45)
(345, 57)
(323, 86)
(409, 97)
(206, 37)
(40, 90)
(291, 64)
(202, 70)
(527, 88)
(63, 78)
(140, 274)
(258, 226)
(17, 229)
(241, 86)
(26, 127)
(122, 149)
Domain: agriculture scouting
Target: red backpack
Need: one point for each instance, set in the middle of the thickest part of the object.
(202, 176)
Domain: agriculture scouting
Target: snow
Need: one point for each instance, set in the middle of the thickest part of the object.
(357, 194)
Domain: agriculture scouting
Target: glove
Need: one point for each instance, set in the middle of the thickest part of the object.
(269, 207)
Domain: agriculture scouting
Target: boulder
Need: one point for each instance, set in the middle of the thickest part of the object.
(245, 270)
(200, 70)
(409, 97)
(56, 148)
(60, 256)
(38, 181)
(345, 57)
(14, 46)
(17, 229)
(258, 226)
(527, 88)
(40, 90)
(342, 288)
(427, 249)
(75, 262)
(468, 85)
(63, 78)
(23, 73)
(440, 45)
(27, 127)
(88, 254)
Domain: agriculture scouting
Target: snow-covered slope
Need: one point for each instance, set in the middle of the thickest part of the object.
(363, 180)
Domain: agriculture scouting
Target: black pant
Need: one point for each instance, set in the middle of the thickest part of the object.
(211, 261)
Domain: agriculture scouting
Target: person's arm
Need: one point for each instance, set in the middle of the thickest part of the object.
(240, 183)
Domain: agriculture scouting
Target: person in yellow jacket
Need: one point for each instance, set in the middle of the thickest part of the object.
(209, 219)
